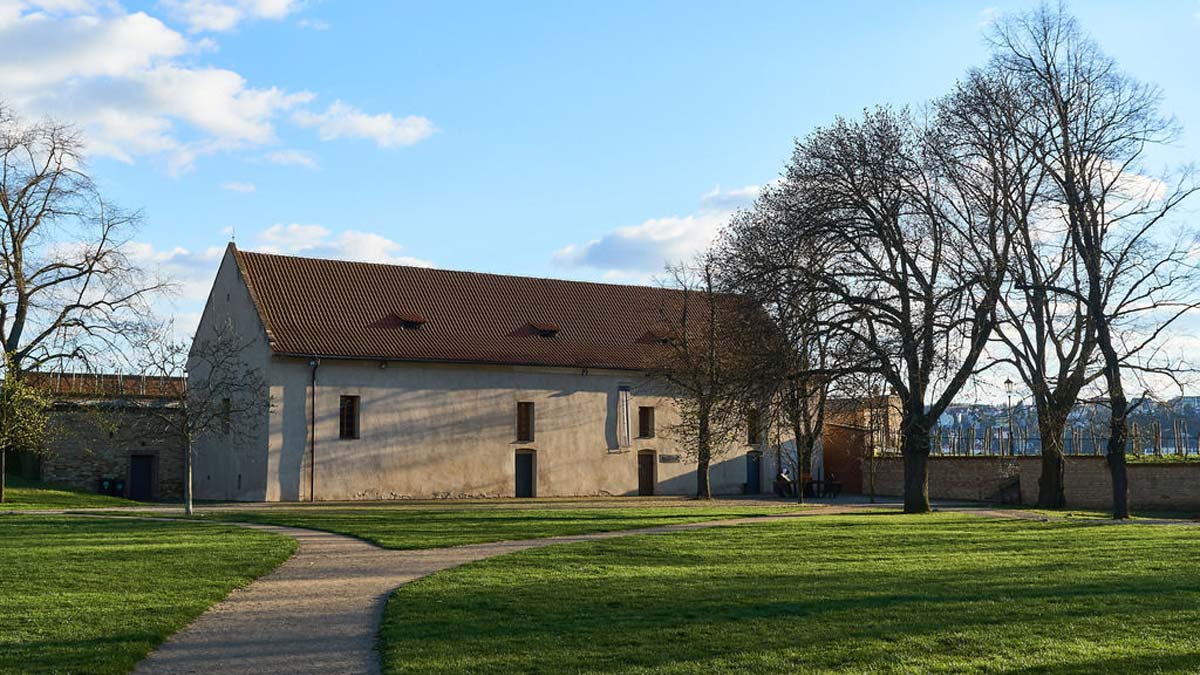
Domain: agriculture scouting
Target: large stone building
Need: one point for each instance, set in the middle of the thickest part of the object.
(390, 382)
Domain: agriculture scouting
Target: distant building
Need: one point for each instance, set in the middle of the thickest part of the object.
(102, 435)
(389, 381)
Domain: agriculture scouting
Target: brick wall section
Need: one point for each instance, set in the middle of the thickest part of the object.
(1160, 486)
(88, 446)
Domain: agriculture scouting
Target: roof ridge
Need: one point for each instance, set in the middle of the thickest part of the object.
(607, 284)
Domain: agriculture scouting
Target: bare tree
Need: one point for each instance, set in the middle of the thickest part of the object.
(769, 259)
(699, 366)
(1046, 334)
(1093, 126)
(223, 394)
(68, 292)
(918, 247)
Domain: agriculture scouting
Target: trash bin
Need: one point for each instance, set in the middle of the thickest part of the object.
(118, 488)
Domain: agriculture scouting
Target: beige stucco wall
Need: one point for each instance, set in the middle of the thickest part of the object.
(435, 430)
(234, 466)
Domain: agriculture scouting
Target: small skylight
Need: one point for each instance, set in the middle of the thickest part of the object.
(405, 320)
(662, 336)
(544, 328)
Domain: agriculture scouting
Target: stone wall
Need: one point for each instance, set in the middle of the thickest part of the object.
(89, 445)
(1158, 486)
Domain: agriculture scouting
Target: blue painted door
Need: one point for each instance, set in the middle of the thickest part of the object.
(753, 473)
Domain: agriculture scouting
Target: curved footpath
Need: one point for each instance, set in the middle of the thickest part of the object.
(319, 612)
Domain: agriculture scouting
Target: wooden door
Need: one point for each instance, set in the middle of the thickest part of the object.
(526, 473)
(141, 477)
(646, 473)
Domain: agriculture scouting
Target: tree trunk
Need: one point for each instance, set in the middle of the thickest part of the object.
(916, 468)
(801, 456)
(1051, 484)
(1116, 459)
(703, 458)
(187, 478)
(3, 476)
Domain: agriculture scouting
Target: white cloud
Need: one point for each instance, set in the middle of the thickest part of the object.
(134, 86)
(729, 200)
(344, 121)
(191, 272)
(638, 252)
(987, 17)
(37, 49)
(314, 24)
(319, 242)
(235, 186)
(223, 15)
(292, 158)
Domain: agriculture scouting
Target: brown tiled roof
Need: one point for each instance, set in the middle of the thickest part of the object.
(104, 385)
(334, 308)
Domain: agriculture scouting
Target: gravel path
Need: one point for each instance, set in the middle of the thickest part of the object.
(319, 611)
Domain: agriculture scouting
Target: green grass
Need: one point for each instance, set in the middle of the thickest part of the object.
(1092, 514)
(23, 494)
(417, 526)
(943, 593)
(90, 595)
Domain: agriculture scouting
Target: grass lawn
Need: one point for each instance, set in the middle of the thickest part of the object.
(23, 494)
(414, 526)
(90, 595)
(876, 593)
(1084, 514)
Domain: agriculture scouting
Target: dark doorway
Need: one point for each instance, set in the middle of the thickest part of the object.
(753, 473)
(141, 476)
(646, 473)
(526, 473)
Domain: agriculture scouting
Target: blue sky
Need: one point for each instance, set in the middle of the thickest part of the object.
(588, 141)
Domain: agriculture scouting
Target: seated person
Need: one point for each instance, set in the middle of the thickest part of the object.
(783, 484)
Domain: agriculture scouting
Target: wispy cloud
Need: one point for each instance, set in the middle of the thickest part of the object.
(341, 120)
(139, 88)
(224, 15)
(313, 24)
(234, 186)
(987, 16)
(320, 242)
(638, 252)
(292, 158)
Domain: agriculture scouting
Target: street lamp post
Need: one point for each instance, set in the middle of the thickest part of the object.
(1008, 387)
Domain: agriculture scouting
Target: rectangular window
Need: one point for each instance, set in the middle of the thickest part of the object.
(524, 421)
(645, 422)
(753, 427)
(348, 417)
(226, 408)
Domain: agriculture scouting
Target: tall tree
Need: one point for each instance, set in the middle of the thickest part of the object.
(768, 258)
(918, 241)
(1093, 127)
(68, 291)
(1046, 334)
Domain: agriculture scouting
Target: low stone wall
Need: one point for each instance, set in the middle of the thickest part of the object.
(1160, 486)
(87, 446)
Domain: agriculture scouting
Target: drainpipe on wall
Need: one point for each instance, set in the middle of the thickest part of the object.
(312, 432)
